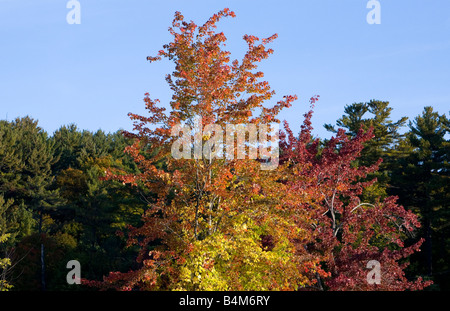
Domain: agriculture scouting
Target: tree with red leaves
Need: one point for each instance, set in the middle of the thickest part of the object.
(216, 223)
(344, 232)
(205, 226)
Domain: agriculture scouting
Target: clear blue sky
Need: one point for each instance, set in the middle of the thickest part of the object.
(94, 73)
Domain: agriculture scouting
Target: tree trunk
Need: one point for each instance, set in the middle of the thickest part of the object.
(42, 253)
(42, 268)
(428, 247)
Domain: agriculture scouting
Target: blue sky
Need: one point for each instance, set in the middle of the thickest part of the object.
(94, 73)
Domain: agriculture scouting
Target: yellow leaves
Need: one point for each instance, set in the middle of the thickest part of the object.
(72, 181)
(199, 272)
(219, 206)
(206, 137)
(237, 261)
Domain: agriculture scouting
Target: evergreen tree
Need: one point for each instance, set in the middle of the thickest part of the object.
(67, 142)
(27, 157)
(421, 180)
(95, 209)
(26, 175)
(377, 115)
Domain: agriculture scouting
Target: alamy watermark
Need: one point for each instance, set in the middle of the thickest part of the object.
(208, 142)
(74, 275)
(374, 275)
(74, 15)
(374, 16)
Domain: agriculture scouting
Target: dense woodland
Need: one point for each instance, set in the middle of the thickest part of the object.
(136, 219)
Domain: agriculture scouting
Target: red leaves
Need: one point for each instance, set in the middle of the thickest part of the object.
(269, 39)
(311, 203)
(313, 99)
(153, 59)
(229, 12)
(207, 28)
(349, 232)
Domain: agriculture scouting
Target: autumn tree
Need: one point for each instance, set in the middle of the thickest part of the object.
(5, 260)
(215, 222)
(221, 222)
(4, 264)
(345, 232)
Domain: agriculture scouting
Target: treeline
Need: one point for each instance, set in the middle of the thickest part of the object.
(56, 205)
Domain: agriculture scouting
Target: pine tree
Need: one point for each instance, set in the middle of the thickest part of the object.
(27, 157)
(67, 142)
(374, 114)
(421, 180)
(95, 209)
